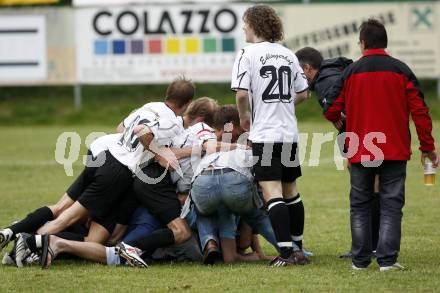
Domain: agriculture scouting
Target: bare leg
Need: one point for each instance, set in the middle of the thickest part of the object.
(67, 218)
(63, 204)
(87, 250)
(97, 234)
(117, 234)
(289, 190)
(181, 230)
(271, 189)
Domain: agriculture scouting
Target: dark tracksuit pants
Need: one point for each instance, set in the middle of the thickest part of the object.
(392, 176)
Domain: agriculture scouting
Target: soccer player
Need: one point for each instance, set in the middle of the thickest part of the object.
(324, 77)
(267, 76)
(378, 95)
(223, 188)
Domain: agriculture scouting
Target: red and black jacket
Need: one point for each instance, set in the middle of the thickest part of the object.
(378, 94)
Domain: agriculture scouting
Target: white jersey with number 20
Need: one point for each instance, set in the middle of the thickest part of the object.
(272, 76)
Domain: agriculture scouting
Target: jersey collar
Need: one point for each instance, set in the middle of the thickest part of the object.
(375, 52)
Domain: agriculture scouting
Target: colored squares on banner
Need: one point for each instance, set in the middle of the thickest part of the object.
(100, 47)
(168, 46)
(137, 47)
(228, 45)
(209, 45)
(155, 46)
(172, 46)
(192, 45)
(118, 47)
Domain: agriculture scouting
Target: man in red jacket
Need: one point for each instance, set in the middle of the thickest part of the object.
(378, 94)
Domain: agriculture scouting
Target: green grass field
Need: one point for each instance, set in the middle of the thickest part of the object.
(30, 177)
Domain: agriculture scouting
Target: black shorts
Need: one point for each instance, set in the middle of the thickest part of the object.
(159, 198)
(120, 213)
(273, 165)
(82, 181)
(109, 184)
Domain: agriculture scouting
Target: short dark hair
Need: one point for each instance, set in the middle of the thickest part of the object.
(226, 114)
(180, 92)
(311, 56)
(265, 22)
(374, 34)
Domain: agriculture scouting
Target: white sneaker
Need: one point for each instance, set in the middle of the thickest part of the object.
(395, 267)
(131, 255)
(21, 250)
(8, 260)
(5, 237)
(357, 268)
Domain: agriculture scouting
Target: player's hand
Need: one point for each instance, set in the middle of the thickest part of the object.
(245, 121)
(167, 159)
(432, 156)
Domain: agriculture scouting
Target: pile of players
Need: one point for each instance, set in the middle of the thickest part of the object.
(129, 197)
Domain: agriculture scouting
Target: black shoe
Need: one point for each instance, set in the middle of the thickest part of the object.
(346, 255)
(211, 256)
(282, 262)
(299, 257)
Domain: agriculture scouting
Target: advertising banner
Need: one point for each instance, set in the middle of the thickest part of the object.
(413, 30)
(23, 48)
(154, 44)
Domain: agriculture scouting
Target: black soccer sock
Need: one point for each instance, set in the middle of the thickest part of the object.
(33, 221)
(70, 236)
(279, 217)
(296, 212)
(157, 239)
(375, 220)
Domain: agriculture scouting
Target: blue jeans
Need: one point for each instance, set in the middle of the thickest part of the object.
(219, 198)
(142, 224)
(392, 176)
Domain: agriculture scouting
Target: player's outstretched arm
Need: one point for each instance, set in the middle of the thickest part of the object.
(242, 100)
(301, 97)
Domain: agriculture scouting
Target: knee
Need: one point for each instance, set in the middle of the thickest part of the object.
(181, 233)
(56, 210)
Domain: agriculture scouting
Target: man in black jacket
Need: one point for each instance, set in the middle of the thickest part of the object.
(324, 78)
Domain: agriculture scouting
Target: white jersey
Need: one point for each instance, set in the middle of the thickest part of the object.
(272, 76)
(239, 159)
(193, 135)
(164, 125)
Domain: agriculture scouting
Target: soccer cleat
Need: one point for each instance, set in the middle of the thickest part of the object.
(357, 268)
(9, 258)
(5, 237)
(281, 262)
(131, 255)
(299, 258)
(21, 250)
(32, 259)
(395, 267)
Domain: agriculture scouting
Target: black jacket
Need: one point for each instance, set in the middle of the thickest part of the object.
(328, 83)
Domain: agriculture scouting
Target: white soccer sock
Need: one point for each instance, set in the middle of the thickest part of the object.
(38, 241)
(112, 258)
